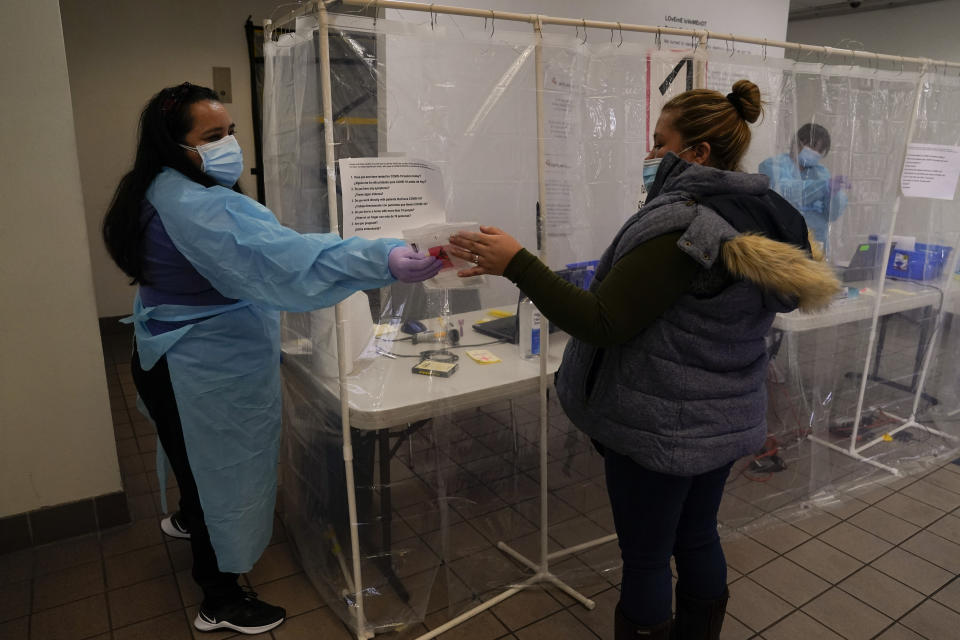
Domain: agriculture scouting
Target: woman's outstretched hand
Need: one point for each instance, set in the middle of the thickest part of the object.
(490, 250)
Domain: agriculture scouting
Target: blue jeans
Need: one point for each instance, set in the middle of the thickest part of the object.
(659, 515)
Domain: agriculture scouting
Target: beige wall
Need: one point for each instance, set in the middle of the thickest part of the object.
(924, 30)
(120, 53)
(56, 435)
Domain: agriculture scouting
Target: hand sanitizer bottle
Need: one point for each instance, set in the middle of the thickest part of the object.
(530, 322)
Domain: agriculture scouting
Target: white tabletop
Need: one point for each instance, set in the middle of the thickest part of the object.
(898, 295)
(384, 392)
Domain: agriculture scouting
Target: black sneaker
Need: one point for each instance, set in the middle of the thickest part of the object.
(246, 615)
(174, 527)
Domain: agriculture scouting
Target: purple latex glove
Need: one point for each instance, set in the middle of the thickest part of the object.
(407, 265)
(839, 182)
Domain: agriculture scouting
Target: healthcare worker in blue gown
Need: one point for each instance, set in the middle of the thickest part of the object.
(214, 270)
(800, 177)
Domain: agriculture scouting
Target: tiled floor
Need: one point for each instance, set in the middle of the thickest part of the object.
(882, 564)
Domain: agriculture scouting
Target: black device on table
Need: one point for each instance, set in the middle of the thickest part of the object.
(506, 329)
(865, 261)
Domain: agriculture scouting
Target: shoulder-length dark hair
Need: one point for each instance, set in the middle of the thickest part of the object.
(164, 124)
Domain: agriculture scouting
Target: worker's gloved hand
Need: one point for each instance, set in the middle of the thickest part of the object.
(839, 182)
(407, 265)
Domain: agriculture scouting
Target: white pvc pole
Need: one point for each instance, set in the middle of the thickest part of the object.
(883, 275)
(341, 341)
(544, 323)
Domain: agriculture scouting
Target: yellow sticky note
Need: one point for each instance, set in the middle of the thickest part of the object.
(887, 437)
(482, 356)
(496, 313)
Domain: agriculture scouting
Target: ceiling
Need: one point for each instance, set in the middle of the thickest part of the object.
(808, 9)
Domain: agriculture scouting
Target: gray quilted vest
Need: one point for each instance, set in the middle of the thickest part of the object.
(686, 395)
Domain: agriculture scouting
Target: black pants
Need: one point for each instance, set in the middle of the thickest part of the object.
(156, 392)
(659, 515)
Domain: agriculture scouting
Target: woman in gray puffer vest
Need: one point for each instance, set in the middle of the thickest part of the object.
(665, 369)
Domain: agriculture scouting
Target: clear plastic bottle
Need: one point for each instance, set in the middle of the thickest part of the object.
(529, 321)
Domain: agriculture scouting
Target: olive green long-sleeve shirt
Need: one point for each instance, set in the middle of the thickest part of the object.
(639, 288)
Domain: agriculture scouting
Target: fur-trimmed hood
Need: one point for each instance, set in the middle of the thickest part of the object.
(782, 265)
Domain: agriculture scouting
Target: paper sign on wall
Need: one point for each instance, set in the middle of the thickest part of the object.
(383, 196)
(930, 171)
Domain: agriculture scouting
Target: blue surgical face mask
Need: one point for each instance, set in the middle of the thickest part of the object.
(222, 160)
(808, 157)
(650, 172)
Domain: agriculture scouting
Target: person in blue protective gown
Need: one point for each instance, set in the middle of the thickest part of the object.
(214, 270)
(800, 177)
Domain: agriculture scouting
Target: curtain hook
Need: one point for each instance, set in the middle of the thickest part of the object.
(493, 23)
(658, 40)
(432, 18)
(764, 49)
(733, 45)
(620, 27)
(584, 31)
(878, 62)
(853, 59)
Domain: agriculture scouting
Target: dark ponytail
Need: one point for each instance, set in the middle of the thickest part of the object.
(164, 124)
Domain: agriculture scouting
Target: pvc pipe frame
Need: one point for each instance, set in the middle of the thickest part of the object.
(542, 569)
(702, 35)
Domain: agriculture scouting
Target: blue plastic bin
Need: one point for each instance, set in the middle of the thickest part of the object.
(925, 262)
(580, 273)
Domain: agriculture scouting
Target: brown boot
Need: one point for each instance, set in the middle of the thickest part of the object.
(698, 619)
(624, 629)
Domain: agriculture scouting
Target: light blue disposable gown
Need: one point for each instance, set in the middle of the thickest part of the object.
(807, 189)
(225, 368)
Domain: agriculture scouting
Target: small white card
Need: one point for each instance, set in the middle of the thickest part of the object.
(930, 171)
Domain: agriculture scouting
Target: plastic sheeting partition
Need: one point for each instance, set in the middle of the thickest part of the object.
(447, 468)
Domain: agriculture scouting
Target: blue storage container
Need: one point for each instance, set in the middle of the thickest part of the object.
(925, 262)
(579, 273)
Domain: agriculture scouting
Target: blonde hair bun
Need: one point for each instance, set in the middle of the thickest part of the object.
(745, 96)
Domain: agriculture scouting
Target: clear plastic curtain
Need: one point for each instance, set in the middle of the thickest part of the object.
(447, 468)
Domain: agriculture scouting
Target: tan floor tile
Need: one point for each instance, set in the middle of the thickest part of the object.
(732, 629)
(190, 592)
(746, 554)
(14, 600)
(946, 478)
(525, 607)
(871, 493)
(899, 632)
(66, 554)
(933, 495)
(127, 447)
(140, 534)
(483, 627)
(778, 535)
(910, 509)
(147, 444)
(172, 626)
(788, 580)
(319, 623)
(293, 593)
(912, 570)
(799, 625)
(137, 485)
(843, 508)
(947, 527)
(143, 600)
(754, 606)
(16, 566)
(600, 619)
(71, 584)
(937, 550)
(15, 629)
(560, 625)
(933, 620)
(131, 465)
(276, 562)
(881, 592)
(577, 531)
(846, 615)
(827, 562)
(884, 525)
(950, 595)
(855, 542)
(812, 521)
(137, 566)
(79, 619)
